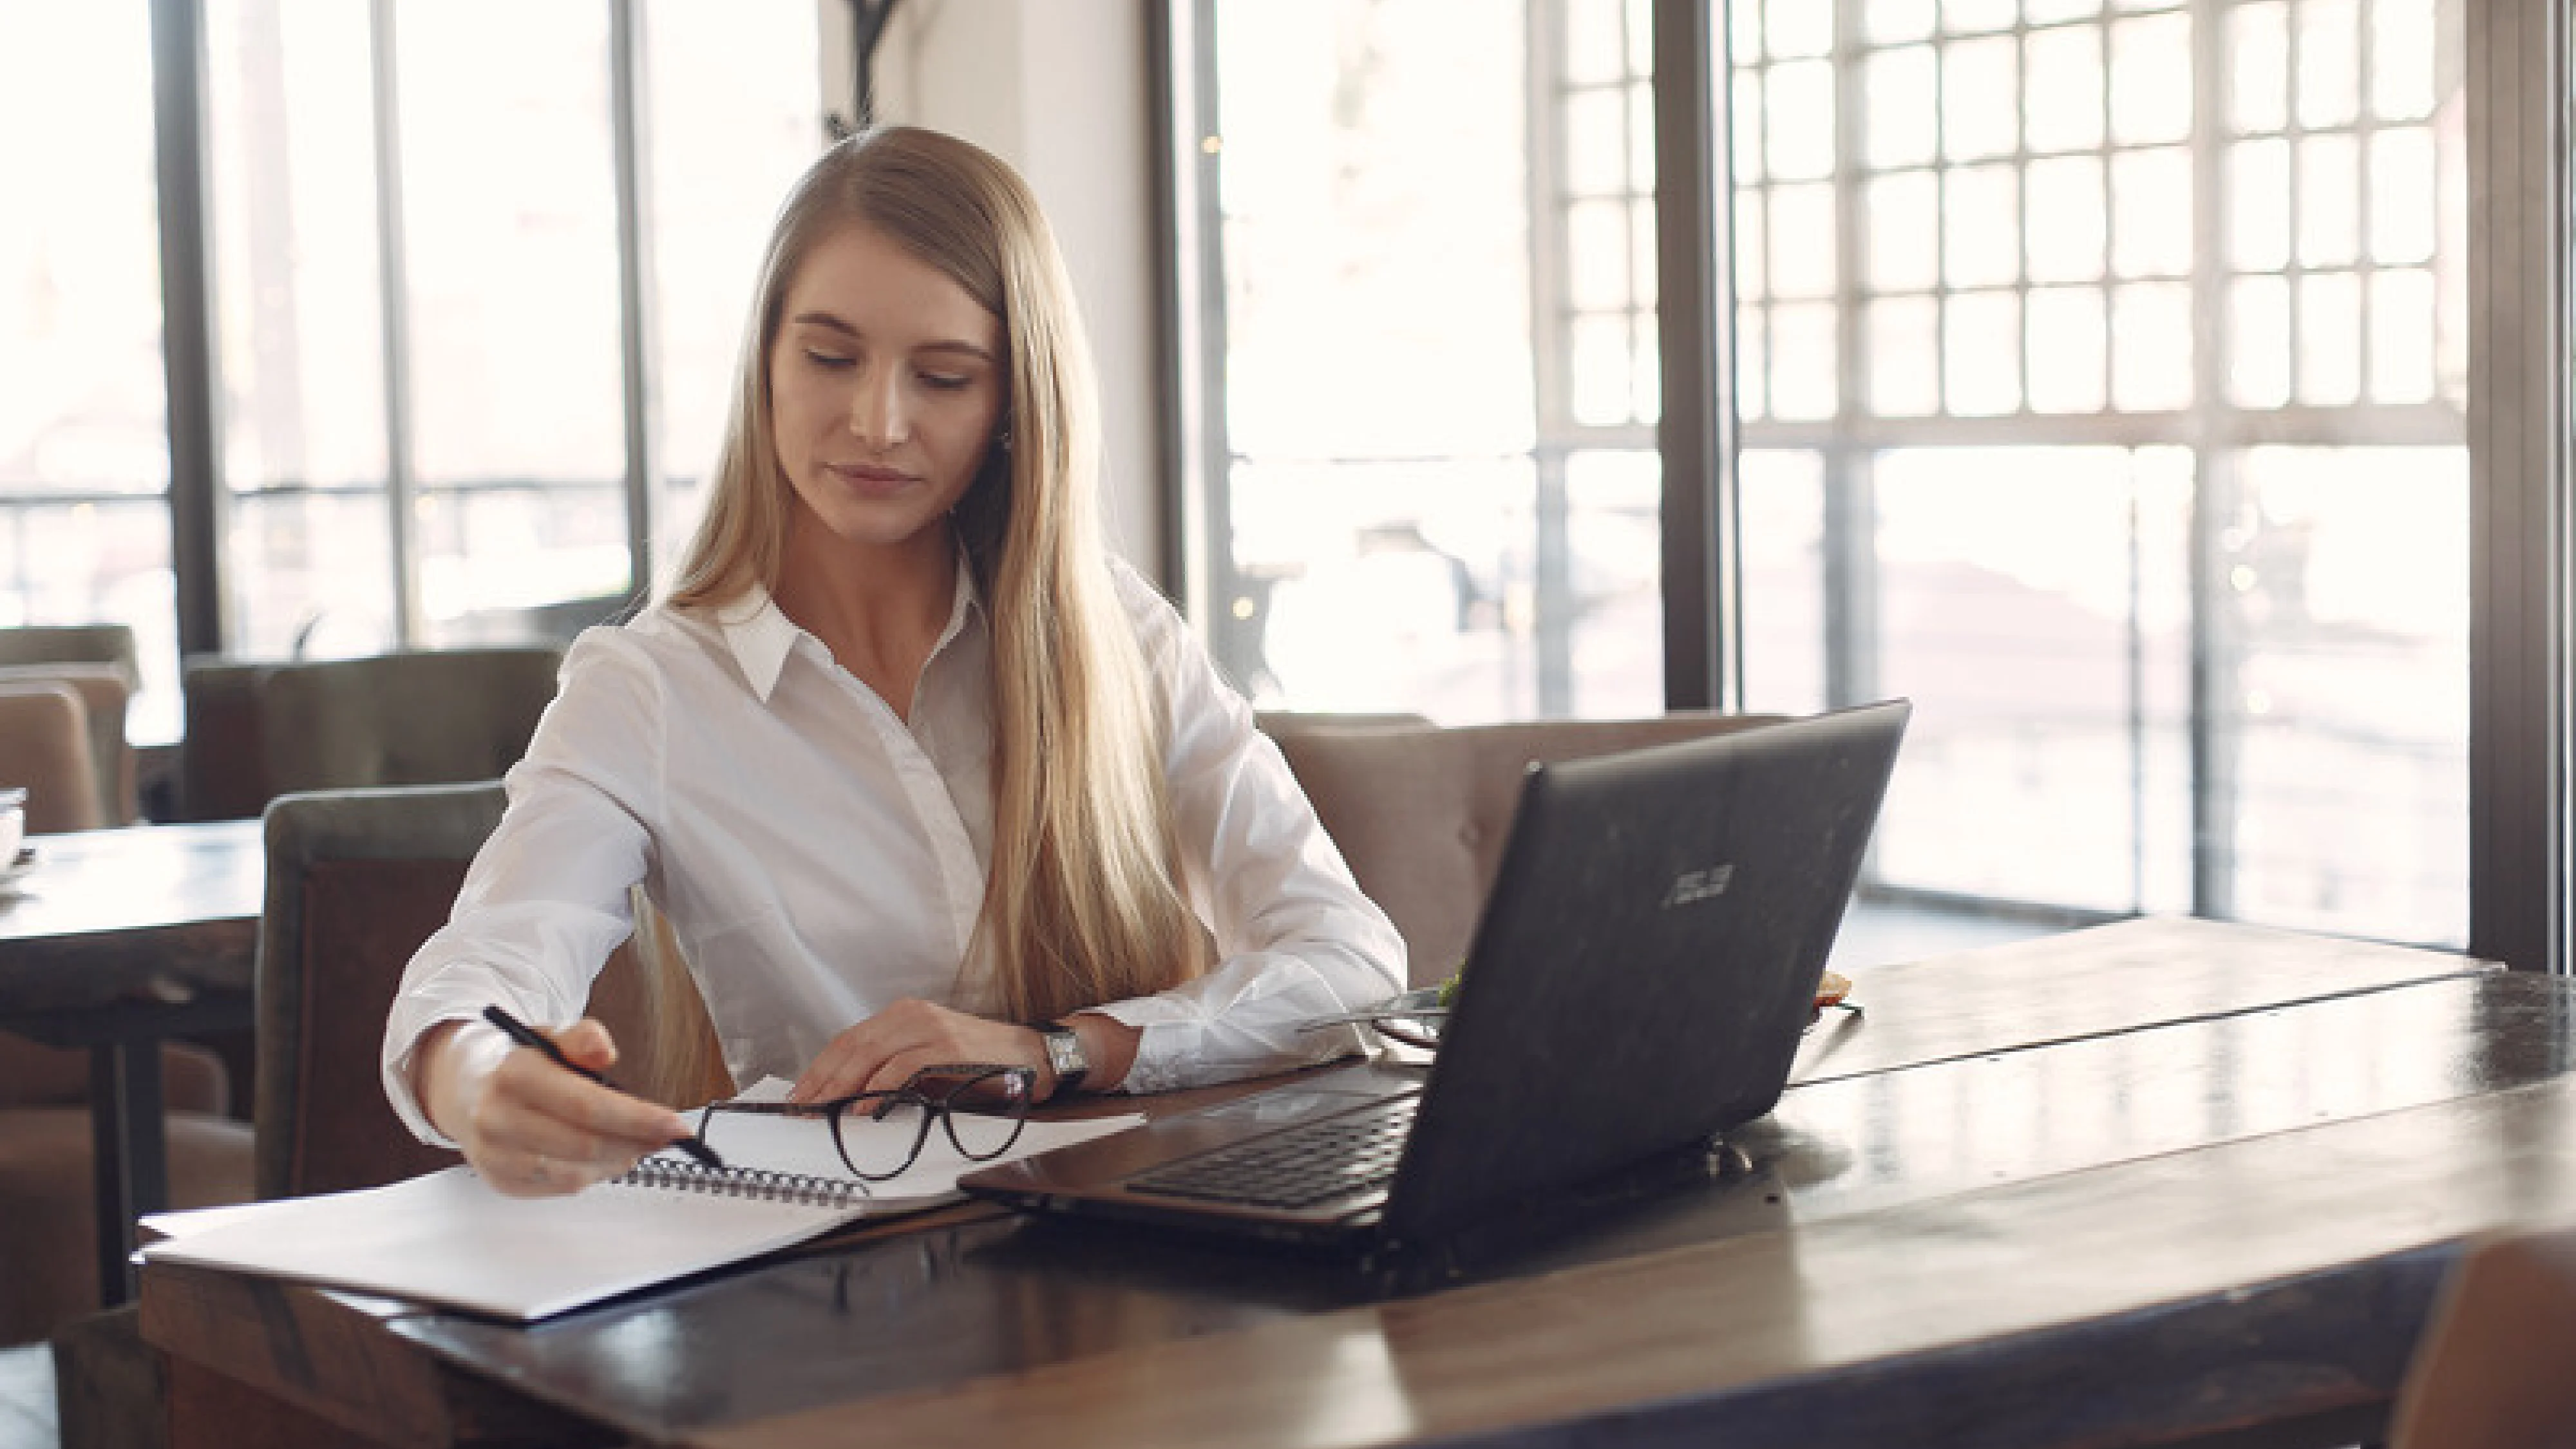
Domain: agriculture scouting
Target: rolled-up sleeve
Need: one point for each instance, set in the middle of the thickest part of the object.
(545, 900)
(1295, 937)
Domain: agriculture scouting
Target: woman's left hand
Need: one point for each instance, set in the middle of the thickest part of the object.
(882, 1052)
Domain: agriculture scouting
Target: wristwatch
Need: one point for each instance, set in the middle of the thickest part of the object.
(1064, 1054)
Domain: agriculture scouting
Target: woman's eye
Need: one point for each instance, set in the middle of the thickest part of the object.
(943, 382)
(827, 359)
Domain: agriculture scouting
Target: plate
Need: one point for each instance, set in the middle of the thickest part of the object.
(1413, 1018)
(1416, 1018)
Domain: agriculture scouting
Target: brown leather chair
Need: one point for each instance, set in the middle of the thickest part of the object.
(101, 662)
(2491, 1371)
(1421, 811)
(104, 695)
(357, 879)
(45, 748)
(111, 644)
(48, 1253)
(258, 730)
(48, 1259)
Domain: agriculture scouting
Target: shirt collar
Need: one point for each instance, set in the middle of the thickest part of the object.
(761, 636)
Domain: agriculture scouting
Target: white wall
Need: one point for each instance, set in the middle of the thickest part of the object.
(1059, 89)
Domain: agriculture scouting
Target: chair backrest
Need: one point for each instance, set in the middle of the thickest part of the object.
(1421, 811)
(104, 664)
(45, 746)
(257, 730)
(110, 644)
(2491, 1370)
(357, 879)
(1281, 723)
(106, 690)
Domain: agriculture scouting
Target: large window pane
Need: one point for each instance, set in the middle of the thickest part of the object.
(2344, 675)
(2046, 652)
(300, 326)
(311, 573)
(1389, 585)
(510, 221)
(84, 451)
(735, 113)
(416, 295)
(1422, 517)
(498, 557)
(2157, 666)
(508, 364)
(1781, 510)
(2078, 421)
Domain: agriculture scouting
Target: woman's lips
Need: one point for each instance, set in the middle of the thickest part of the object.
(870, 478)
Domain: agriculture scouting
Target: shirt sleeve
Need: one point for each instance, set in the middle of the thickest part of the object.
(1295, 938)
(545, 900)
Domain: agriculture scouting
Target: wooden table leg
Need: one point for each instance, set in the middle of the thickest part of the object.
(129, 1159)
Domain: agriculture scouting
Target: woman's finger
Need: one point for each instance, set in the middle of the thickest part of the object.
(588, 1043)
(840, 1068)
(540, 1174)
(899, 1068)
(535, 1106)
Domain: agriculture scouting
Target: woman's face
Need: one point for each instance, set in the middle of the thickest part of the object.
(886, 384)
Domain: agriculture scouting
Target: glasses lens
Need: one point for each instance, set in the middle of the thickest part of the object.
(984, 1118)
(875, 1145)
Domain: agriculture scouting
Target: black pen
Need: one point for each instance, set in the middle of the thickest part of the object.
(528, 1036)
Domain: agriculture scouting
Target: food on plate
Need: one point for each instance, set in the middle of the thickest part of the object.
(1832, 989)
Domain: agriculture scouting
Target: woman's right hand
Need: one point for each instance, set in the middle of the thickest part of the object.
(531, 1128)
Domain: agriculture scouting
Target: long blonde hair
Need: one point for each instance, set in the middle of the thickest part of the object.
(1083, 903)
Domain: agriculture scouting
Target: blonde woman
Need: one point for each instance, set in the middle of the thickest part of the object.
(914, 769)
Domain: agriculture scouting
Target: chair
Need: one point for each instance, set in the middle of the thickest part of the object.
(357, 879)
(48, 1256)
(101, 663)
(111, 644)
(2491, 1371)
(45, 747)
(104, 694)
(258, 730)
(1421, 811)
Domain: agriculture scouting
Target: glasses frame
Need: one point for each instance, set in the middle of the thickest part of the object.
(1015, 1087)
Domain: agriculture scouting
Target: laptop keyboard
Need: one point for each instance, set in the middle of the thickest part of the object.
(1315, 1162)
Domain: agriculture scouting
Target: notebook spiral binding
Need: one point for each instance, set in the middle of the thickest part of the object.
(679, 1175)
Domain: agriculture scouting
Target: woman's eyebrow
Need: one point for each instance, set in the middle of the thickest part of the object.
(830, 323)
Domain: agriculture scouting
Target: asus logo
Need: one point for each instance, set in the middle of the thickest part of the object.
(1699, 885)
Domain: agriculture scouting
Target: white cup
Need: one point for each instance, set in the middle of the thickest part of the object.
(13, 824)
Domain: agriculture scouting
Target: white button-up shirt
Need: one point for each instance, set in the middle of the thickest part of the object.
(820, 857)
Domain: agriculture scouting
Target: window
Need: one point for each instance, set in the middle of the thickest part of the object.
(2124, 407)
(2101, 376)
(434, 379)
(84, 459)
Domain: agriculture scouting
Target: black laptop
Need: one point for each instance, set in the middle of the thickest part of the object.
(1645, 965)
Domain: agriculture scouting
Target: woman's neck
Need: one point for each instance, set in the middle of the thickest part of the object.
(879, 609)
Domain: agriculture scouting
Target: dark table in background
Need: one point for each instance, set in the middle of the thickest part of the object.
(114, 941)
(2154, 1182)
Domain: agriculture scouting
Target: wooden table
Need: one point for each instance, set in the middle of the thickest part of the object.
(116, 940)
(2168, 1179)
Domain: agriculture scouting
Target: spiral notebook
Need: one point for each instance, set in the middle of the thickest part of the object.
(449, 1239)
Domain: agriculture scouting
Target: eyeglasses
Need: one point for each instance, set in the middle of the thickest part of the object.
(880, 1134)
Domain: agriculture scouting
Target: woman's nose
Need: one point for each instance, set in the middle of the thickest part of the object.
(877, 413)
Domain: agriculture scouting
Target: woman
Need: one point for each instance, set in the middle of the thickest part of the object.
(916, 772)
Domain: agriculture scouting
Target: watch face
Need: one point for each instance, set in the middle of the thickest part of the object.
(1064, 1051)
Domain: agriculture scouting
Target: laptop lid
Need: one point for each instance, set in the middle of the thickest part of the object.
(1643, 969)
